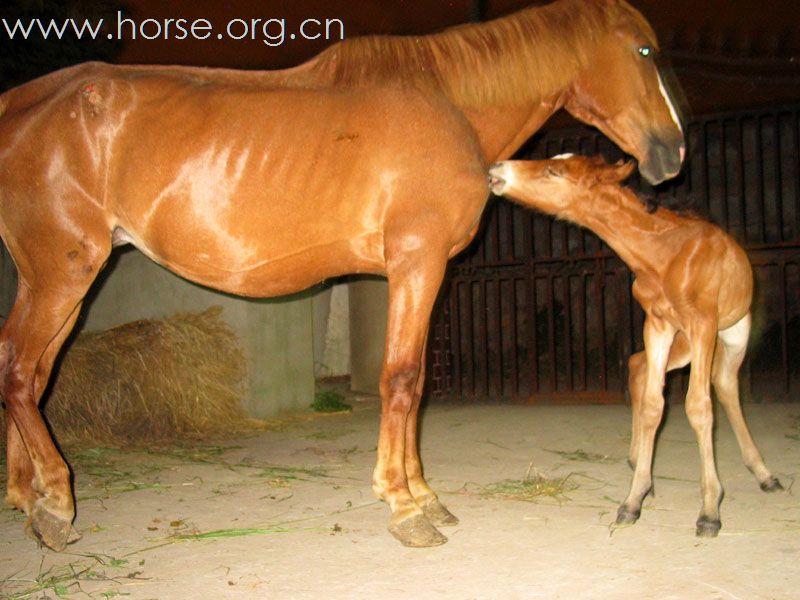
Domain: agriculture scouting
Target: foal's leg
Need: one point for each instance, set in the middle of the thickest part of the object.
(414, 280)
(698, 408)
(731, 347)
(425, 497)
(658, 336)
(637, 378)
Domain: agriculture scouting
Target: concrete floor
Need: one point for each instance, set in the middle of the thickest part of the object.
(289, 513)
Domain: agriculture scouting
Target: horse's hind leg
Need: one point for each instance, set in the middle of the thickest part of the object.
(52, 511)
(414, 280)
(727, 361)
(47, 305)
(703, 336)
(425, 497)
(19, 490)
(20, 493)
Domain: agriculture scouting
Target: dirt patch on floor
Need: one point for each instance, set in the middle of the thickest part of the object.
(289, 513)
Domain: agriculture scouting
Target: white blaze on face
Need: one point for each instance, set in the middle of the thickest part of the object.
(673, 113)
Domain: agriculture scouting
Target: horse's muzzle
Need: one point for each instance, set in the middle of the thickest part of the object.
(664, 160)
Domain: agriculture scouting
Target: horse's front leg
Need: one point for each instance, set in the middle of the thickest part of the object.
(414, 280)
(425, 497)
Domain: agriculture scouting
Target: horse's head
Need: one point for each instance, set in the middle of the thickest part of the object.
(554, 185)
(622, 93)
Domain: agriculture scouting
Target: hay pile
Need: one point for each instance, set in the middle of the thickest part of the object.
(151, 380)
(533, 487)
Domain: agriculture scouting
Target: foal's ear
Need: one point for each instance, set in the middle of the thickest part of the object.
(616, 173)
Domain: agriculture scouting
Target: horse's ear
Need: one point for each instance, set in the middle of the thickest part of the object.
(616, 173)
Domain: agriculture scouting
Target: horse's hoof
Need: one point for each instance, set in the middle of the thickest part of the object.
(438, 515)
(771, 485)
(708, 527)
(417, 532)
(53, 531)
(625, 516)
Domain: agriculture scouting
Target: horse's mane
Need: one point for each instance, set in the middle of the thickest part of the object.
(686, 207)
(526, 55)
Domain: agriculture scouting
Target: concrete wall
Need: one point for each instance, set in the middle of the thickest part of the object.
(276, 334)
(369, 299)
(332, 331)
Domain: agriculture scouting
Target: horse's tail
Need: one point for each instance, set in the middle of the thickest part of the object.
(4, 360)
(6, 281)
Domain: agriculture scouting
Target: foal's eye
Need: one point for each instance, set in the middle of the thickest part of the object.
(551, 172)
(646, 51)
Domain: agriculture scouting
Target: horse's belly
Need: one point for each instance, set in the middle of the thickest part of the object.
(270, 276)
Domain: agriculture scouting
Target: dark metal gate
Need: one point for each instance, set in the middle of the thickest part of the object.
(539, 310)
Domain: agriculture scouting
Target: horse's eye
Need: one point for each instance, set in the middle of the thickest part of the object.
(646, 51)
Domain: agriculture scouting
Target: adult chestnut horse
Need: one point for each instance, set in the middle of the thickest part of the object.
(262, 183)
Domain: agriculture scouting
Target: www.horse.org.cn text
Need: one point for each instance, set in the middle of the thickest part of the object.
(271, 31)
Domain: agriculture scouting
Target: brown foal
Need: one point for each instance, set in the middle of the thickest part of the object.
(695, 285)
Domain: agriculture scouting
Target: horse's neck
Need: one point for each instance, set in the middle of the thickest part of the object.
(620, 219)
(507, 76)
(503, 129)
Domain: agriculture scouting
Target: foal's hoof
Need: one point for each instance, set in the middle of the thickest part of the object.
(417, 532)
(53, 531)
(438, 515)
(708, 527)
(625, 516)
(771, 485)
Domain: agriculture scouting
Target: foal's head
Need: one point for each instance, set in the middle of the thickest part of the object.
(553, 186)
(622, 93)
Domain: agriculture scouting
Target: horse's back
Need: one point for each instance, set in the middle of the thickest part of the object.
(199, 172)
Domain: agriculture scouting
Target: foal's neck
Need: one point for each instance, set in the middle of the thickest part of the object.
(620, 218)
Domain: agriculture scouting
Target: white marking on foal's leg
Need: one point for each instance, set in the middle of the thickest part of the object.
(733, 346)
(736, 336)
(563, 156)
